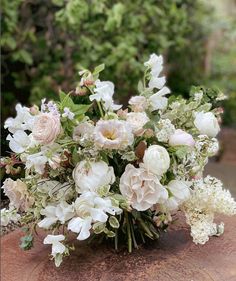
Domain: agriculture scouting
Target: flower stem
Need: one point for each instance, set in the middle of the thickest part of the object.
(133, 235)
(116, 240)
(100, 108)
(129, 241)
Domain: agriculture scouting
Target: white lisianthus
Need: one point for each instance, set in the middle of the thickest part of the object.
(113, 134)
(18, 194)
(158, 101)
(23, 120)
(138, 103)
(57, 247)
(89, 176)
(180, 137)
(137, 120)
(46, 128)
(207, 124)
(156, 160)
(141, 189)
(104, 91)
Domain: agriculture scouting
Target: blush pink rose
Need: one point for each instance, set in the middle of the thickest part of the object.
(46, 128)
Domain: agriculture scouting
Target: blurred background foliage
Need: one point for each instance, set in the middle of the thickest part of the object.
(45, 42)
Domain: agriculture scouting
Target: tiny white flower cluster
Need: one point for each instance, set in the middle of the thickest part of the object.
(95, 168)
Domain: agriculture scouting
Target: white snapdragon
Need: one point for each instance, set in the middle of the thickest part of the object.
(104, 91)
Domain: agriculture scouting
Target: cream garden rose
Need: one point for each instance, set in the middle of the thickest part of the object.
(89, 176)
(113, 134)
(46, 128)
(137, 120)
(180, 137)
(207, 124)
(141, 189)
(156, 160)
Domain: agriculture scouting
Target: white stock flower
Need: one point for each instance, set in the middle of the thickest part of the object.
(137, 120)
(158, 101)
(104, 91)
(156, 160)
(89, 176)
(113, 134)
(141, 189)
(46, 128)
(23, 120)
(62, 212)
(67, 113)
(180, 137)
(19, 141)
(207, 123)
(138, 103)
(18, 194)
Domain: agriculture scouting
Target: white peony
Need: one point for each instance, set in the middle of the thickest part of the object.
(156, 160)
(113, 134)
(137, 120)
(89, 176)
(207, 124)
(138, 103)
(104, 91)
(46, 128)
(141, 189)
(180, 137)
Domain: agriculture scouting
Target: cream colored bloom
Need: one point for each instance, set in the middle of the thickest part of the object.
(89, 176)
(156, 160)
(180, 137)
(18, 194)
(141, 189)
(207, 124)
(46, 128)
(138, 103)
(137, 120)
(113, 134)
(83, 132)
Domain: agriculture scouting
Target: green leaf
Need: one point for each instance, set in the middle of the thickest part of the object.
(99, 227)
(80, 109)
(113, 221)
(98, 69)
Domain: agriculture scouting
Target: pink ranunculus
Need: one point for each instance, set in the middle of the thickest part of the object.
(46, 128)
(181, 138)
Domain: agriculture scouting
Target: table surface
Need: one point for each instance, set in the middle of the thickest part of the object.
(173, 257)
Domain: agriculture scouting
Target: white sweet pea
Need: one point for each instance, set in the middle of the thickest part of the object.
(81, 226)
(23, 120)
(156, 160)
(104, 91)
(157, 82)
(158, 101)
(67, 113)
(155, 63)
(36, 161)
(89, 176)
(19, 141)
(57, 247)
(207, 124)
(180, 137)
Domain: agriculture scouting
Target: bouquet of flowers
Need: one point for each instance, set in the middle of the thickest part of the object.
(94, 169)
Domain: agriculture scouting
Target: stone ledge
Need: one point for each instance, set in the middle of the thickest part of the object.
(174, 257)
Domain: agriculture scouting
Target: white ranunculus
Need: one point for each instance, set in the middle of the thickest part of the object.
(89, 176)
(18, 194)
(19, 141)
(141, 188)
(46, 128)
(23, 120)
(156, 160)
(137, 120)
(104, 91)
(138, 103)
(180, 137)
(207, 124)
(113, 134)
(158, 101)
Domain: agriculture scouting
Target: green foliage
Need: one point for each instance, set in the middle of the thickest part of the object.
(27, 242)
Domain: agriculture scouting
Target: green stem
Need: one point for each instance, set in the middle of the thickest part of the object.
(129, 241)
(116, 240)
(100, 108)
(145, 228)
(133, 235)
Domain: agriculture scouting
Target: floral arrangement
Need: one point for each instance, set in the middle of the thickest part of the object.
(92, 168)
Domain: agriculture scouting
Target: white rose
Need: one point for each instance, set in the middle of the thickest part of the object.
(46, 128)
(89, 176)
(207, 124)
(18, 194)
(138, 103)
(141, 189)
(181, 138)
(156, 160)
(137, 120)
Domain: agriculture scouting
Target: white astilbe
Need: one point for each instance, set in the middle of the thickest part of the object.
(208, 197)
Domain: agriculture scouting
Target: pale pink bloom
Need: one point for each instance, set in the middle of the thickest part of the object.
(180, 137)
